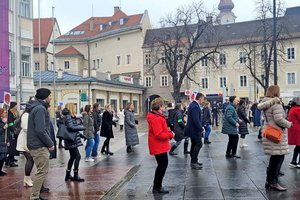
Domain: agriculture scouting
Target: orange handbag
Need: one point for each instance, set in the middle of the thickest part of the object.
(272, 134)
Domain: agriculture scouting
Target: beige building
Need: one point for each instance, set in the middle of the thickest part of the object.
(21, 49)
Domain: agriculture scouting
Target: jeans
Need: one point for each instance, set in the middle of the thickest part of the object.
(74, 158)
(207, 132)
(195, 149)
(89, 147)
(274, 168)
(41, 160)
(96, 144)
(162, 164)
(232, 144)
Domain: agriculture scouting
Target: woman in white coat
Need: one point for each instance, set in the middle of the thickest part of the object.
(121, 117)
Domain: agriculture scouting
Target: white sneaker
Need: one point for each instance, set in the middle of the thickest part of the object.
(245, 145)
(96, 157)
(89, 160)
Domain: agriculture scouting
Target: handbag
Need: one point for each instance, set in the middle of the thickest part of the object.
(271, 133)
(65, 134)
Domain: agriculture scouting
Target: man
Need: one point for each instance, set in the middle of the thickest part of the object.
(39, 142)
(170, 117)
(215, 111)
(194, 130)
(97, 123)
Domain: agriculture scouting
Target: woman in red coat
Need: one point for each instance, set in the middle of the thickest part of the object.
(294, 132)
(159, 142)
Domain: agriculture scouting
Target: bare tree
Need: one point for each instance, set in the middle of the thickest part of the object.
(185, 39)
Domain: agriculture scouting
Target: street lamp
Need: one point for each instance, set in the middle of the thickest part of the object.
(274, 42)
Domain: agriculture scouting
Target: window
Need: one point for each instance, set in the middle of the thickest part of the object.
(128, 59)
(290, 53)
(110, 23)
(243, 57)
(118, 60)
(101, 27)
(114, 104)
(121, 21)
(135, 104)
(96, 45)
(204, 62)
(125, 102)
(243, 81)
(25, 61)
(12, 65)
(148, 81)
(223, 82)
(36, 66)
(147, 59)
(291, 78)
(263, 55)
(222, 59)
(164, 80)
(67, 65)
(204, 83)
(101, 102)
(25, 8)
(163, 58)
(98, 63)
(94, 64)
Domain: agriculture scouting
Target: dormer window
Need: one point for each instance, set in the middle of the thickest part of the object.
(101, 27)
(121, 21)
(110, 23)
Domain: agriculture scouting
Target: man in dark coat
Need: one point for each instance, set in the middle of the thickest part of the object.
(214, 111)
(97, 122)
(194, 130)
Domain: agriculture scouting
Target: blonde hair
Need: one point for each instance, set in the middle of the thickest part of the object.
(128, 105)
(107, 107)
(273, 91)
(71, 108)
(157, 103)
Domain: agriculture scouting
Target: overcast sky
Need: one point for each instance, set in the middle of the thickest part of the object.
(71, 13)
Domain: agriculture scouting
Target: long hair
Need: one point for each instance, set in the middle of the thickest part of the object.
(71, 108)
(128, 105)
(107, 107)
(273, 91)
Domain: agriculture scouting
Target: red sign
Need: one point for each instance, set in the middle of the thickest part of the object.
(7, 98)
(187, 92)
(126, 79)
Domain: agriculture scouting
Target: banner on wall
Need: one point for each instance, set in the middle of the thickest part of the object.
(4, 49)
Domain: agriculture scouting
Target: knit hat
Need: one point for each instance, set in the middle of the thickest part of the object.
(297, 100)
(12, 104)
(42, 93)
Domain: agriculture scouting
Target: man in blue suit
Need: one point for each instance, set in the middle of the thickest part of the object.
(194, 130)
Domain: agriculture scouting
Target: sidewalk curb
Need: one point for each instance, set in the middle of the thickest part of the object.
(113, 192)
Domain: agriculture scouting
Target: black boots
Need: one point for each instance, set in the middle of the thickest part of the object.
(77, 177)
(129, 149)
(172, 153)
(68, 176)
(185, 146)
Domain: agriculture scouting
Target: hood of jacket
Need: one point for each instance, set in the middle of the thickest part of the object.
(35, 103)
(65, 111)
(267, 102)
(83, 113)
(153, 115)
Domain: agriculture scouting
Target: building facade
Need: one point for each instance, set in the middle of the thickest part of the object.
(21, 49)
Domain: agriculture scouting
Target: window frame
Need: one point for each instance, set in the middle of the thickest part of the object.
(164, 83)
(295, 78)
(118, 60)
(293, 53)
(26, 64)
(147, 57)
(242, 57)
(240, 81)
(207, 83)
(128, 55)
(151, 81)
(222, 59)
(66, 64)
(221, 77)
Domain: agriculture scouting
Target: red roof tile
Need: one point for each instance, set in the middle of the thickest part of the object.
(83, 30)
(69, 51)
(46, 31)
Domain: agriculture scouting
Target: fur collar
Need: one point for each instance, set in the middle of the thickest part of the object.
(267, 102)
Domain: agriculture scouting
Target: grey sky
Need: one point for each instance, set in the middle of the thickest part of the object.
(70, 13)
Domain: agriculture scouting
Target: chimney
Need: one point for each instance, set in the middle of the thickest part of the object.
(92, 24)
(108, 76)
(209, 19)
(116, 9)
(59, 74)
(94, 73)
(85, 73)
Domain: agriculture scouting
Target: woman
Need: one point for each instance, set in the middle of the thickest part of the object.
(69, 113)
(121, 116)
(3, 145)
(274, 116)
(294, 132)
(207, 122)
(88, 123)
(178, 127)
(229, 127)
(158, 142)
(131, 134)
(243, 120)
(106, 129)
(59, 121)
(13, 115)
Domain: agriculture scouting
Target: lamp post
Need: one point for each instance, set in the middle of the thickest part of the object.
(274, 42)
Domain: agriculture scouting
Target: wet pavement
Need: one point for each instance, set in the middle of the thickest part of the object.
(130, 176)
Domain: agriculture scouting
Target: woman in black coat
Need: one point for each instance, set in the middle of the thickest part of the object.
(106, 129)
(207, 122)
(72, 126)
(243, 120)
(3, 145)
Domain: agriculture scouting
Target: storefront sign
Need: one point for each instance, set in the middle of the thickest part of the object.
(126, 79)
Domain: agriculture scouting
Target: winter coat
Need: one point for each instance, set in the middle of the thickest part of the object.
(22, 138)
(53, 153)
(73, 127)
(158, 133)
(131, 134)
(106, 127)
(243, 120)
(11, 134)
(59, 118)
(206, 117)
(178, 125)
(88, 123)
(194, 128)
(97, 120)
(170, 119)
(38, 130)
(257, 118)
(121, 117)
(294, 132)
(3, 145)
(230, 120)
(275, 116)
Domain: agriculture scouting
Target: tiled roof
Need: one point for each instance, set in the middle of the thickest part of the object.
(48, 76)
(46, 31)
(69, 51)
(109, 24)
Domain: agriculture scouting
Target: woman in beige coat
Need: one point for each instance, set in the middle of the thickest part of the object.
(274, 115)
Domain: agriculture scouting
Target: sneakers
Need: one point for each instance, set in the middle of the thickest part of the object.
(196, 166)
(89, 160)
(293, 164)
(96, 157)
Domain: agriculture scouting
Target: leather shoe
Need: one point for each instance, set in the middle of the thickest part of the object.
(236, 156)
(228, 156)
(277, 187)
(196, 166)
(280, 173)
(159, 191)
(44, 190)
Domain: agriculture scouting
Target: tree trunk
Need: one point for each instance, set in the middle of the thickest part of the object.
(176, 93)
